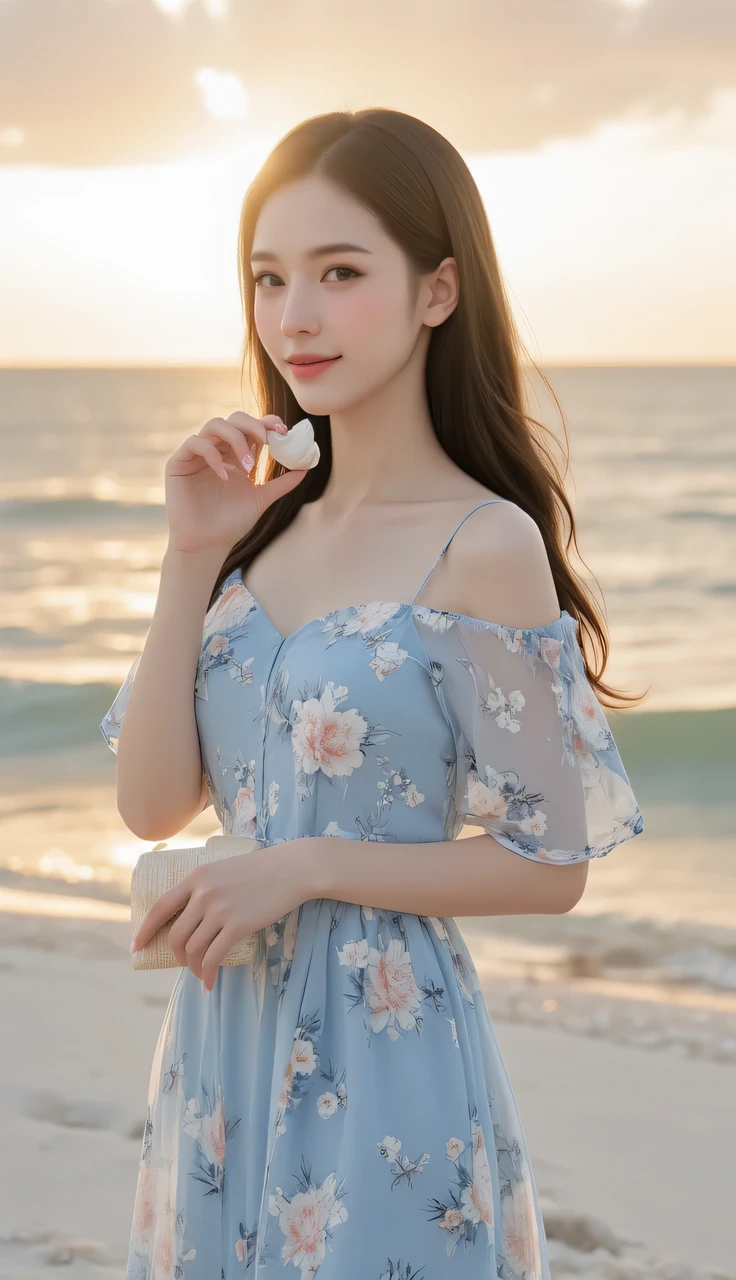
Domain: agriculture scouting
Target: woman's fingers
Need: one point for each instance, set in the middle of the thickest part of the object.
(163, 909)
(202, 447)
(196, 946)
(233, 437)
(243, 434)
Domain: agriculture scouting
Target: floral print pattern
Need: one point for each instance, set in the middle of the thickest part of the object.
(338, 1106)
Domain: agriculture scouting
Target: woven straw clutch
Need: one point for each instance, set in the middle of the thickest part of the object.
(157, 871)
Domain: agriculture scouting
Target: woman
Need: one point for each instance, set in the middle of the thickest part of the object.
(340, 1104)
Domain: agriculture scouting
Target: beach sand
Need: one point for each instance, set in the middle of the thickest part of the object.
(626, 1101)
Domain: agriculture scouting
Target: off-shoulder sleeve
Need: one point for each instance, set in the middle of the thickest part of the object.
(113, 719)
(537, 765)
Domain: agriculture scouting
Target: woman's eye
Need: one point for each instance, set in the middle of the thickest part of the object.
(350, 269)
(268, 274)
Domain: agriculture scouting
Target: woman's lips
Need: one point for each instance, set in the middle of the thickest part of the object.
(313, 369)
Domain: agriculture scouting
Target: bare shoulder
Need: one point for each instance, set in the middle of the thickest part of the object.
(500, 569)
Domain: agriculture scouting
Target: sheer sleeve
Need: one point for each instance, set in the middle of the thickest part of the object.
(537, 766)
(113, 719)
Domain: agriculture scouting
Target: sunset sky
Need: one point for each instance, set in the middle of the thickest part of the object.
(602, 135)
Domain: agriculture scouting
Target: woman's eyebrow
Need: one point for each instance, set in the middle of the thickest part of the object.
(322, 250)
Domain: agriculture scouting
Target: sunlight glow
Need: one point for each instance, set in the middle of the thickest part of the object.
(138, 262)
(12, 136)
(223, 93)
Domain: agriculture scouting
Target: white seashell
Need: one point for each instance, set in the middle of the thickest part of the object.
(297, 449)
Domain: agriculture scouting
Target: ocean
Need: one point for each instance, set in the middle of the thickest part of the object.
(653, 485)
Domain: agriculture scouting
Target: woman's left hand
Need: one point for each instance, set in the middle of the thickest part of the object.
(222, 902)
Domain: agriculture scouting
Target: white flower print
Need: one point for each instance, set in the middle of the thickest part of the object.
(437, 619)
(354, 954)
(513, 638)
(222, 624)
(453, 1029)
(477, 1200)
(208, 1129)
(388, 657)
(303, 1058)
(326, 739)
(390, 1149)
(502, 799)
(391, 991)
(495, 704)
(273, 798)
(302, 1063)
(502, 709)
(306, 1220)
(327, 1105)
(591, 731)
(243, 808)
(470, 1206)
(230, 610)
(395, 785)
(369, 616)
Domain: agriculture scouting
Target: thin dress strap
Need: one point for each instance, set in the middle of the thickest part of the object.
(487, 503)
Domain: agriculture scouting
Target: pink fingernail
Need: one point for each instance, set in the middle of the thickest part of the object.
(248, 461)
(131, 948)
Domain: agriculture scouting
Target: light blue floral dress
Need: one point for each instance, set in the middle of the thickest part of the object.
(339, 1107)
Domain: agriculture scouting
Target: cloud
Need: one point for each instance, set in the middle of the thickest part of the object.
(103, 82)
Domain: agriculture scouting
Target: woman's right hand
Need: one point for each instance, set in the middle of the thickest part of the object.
(211, 502)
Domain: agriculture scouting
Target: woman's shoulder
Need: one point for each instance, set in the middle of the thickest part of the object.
(500, 567)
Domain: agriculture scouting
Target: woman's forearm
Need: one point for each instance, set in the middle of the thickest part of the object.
(472, 876)
(159, 767)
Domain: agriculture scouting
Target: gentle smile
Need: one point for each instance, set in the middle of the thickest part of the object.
(310, 368)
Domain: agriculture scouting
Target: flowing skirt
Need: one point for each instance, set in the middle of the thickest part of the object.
(337, 1108)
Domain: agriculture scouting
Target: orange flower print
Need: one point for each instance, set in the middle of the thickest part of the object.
(230, 610)
(519, 1228)
(170, 1249)
(550, 649)
(244, 809)
(388, 657)
(591, 732)
(391, 991)
(360, 618)
(307, 1220)
(145, 1205)
(208, 1129)
(326, 739)
(469, 1206)
(303, 1061)
(477, 1200)
(502, 799)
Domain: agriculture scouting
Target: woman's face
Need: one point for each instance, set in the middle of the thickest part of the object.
(363, 305)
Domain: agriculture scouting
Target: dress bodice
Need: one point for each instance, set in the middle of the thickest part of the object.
(394, 721)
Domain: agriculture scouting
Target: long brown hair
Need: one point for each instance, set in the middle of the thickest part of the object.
(425, 197)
